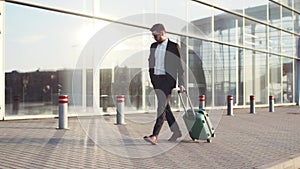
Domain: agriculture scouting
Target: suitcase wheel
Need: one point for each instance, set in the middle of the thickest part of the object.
(208, 140)
(213, 135)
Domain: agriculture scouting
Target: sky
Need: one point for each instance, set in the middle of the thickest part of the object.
(45, 40)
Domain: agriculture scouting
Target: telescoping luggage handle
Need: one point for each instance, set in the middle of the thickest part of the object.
(189, 102)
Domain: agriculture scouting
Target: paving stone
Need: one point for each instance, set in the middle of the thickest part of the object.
(242, 141)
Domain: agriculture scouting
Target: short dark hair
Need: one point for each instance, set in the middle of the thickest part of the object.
(158, 27)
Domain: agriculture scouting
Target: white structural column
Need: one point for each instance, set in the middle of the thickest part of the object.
(2, 93)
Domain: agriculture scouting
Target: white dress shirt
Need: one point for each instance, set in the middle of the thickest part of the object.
(160, 52)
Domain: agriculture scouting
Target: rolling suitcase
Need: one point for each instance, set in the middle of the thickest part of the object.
(197, 121)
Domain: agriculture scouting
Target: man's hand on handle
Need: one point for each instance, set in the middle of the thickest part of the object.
(181, 88)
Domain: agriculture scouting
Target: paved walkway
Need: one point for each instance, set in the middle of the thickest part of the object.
(242, 141)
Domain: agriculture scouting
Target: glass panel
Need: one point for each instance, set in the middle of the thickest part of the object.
(256, 9)
(296, 23)
(116, 9)
(44, 63)
(225, 73)
(256, 78)
(200, 16)
(297, 5)
(274, 14)
(178, 9)
(81, 6)
(255, 35)
(261, 82)
(274, 40)
(288, 43)
(236, 6)
(287, 19)
(198, 76)
(288, 3)
(124, 71)
(227, 27)
(206, 57)
(200, 69)
(287, 80)
(249, 74)
(275, 77)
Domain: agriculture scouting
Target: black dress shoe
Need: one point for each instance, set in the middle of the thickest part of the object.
(175, 136)
(151, 139)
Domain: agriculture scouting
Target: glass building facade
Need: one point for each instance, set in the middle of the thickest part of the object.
(237, 48)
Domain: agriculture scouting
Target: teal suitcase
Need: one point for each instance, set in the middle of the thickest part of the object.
(197, 122)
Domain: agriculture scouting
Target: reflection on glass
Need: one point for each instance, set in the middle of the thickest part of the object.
(296, 23)
(116, 9)
(193, 55)
(288, 3)
(287, 19)
(274, 14)
(274, 40)
(255, 35)
(178, 9)
(225, 73)
(227, 27)
(256, 9)
(256, 76)
(260, 81)
(200, 16)
(287, 80)
(275, 77)
(43, 66)
(124, 71)
(288, 44)
(297, 5)
(80, 6)
(236, 6)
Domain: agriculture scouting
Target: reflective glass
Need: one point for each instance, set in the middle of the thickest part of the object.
(274, 14)
(233, 5)
(116, 9)
(297, 5)
(249, 74)
(200, 16)
(224, 73)
(255, 35)
(256, 9)
(274, 40)
(124, 71)
(178, 9)
(296, 22)
(287, 19)
(288, 44)
(260, 82)
(256, 78)
(43, 65)
(287, 80)
(275, 77)
(207, 62)
(199, 69)
(288, 3)
(227, 27)
(80, 6)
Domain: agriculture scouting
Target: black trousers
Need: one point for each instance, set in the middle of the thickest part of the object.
(163, 90)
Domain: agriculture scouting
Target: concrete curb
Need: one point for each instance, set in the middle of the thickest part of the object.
(291, 162)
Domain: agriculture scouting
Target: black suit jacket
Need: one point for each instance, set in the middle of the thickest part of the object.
(173, 63)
